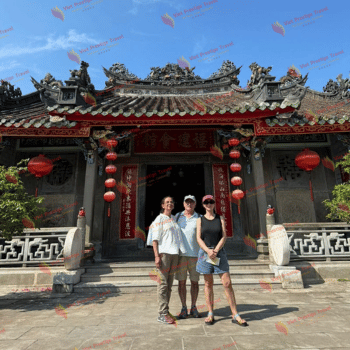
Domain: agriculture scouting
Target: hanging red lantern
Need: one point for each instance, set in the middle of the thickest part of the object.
(111, 169)
(233, 142)
(236, 181)
(308, 160)
(109, 197)
(40, 166)
(112, 143)
(235, 167)
(235, 154)
(238, 195)
(111, 156)
(110, 183)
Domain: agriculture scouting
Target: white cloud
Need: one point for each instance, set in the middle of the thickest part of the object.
(9, 66)
(51, 44)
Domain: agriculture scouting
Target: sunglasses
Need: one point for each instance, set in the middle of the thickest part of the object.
(209, 202)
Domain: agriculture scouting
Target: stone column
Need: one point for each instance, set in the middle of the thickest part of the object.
(89, 193)
(258, 174)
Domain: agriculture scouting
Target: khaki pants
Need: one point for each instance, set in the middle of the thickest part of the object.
(166, 272)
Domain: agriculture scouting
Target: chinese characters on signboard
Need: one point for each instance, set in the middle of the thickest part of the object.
(221, 192)
(174, 141)
(128, 203)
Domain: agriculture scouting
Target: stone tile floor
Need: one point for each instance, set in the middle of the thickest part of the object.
(317, 317)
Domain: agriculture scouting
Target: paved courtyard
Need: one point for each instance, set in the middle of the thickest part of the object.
(317, 317)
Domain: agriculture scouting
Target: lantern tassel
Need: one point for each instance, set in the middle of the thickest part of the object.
(36, 188)
(239, 209)
(109, 210)
(310, 185)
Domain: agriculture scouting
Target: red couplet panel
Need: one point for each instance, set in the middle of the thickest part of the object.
(174, 141)
(221, 195)
(128, 187)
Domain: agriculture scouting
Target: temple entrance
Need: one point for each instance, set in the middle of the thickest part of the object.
(176, 181)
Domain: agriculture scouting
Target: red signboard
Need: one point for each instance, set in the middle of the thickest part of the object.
(128, 188)
(221, 195)
(174, 141)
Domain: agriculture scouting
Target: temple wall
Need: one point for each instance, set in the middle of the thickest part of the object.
(62, 188)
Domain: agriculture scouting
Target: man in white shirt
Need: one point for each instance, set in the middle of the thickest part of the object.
(166, 238)
(187, 220)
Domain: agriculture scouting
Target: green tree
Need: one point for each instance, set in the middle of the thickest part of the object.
(339, 205)
(17, 207)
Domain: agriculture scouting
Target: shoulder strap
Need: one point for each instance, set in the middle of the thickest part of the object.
(177, 217)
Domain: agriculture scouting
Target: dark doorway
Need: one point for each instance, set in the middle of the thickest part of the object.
(177, 182)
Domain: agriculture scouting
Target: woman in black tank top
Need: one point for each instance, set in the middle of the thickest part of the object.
(211, 237)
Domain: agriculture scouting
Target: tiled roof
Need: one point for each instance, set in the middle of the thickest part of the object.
(317, 109)
(33, 114)
(138, 105)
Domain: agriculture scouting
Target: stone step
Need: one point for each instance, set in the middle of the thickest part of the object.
(146, 266)
(28, 276)
(121, 276)
(136, 286)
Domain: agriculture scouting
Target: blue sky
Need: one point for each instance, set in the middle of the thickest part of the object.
(39, 41)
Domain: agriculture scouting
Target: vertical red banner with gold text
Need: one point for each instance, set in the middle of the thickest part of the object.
(221, 195)
(128, 189)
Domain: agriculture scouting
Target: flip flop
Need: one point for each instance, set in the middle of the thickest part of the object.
(210, 323)
(242, 324)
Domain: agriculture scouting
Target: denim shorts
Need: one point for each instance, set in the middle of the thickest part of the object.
(205, 268)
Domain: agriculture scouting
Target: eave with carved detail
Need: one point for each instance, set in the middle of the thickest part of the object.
(173, 95)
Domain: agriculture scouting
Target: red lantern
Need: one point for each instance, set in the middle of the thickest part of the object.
(81, 211)
(111, 156)
(111, 169)
(233, 142)
(236, 181)
(235, 154)
(109, 197)
(110, 183)
(235, 167)
(40, 166)
(238, 195)
(308, 160)
(112, 143)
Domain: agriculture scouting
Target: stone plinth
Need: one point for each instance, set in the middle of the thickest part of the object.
(289, 276)
(64, 281)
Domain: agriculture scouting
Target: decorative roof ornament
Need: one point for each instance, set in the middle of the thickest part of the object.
(81, 79)
(116, 73)
(259, 75)
(172, 74)
(341, 88)
(78, 89)
(48, 81)
(8, 92)
(293, 77)
(227, 68)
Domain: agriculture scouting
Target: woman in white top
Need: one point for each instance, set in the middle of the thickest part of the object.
(166, 238)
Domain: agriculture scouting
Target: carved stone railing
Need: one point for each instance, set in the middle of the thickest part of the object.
(319, 240)
(34, 246)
